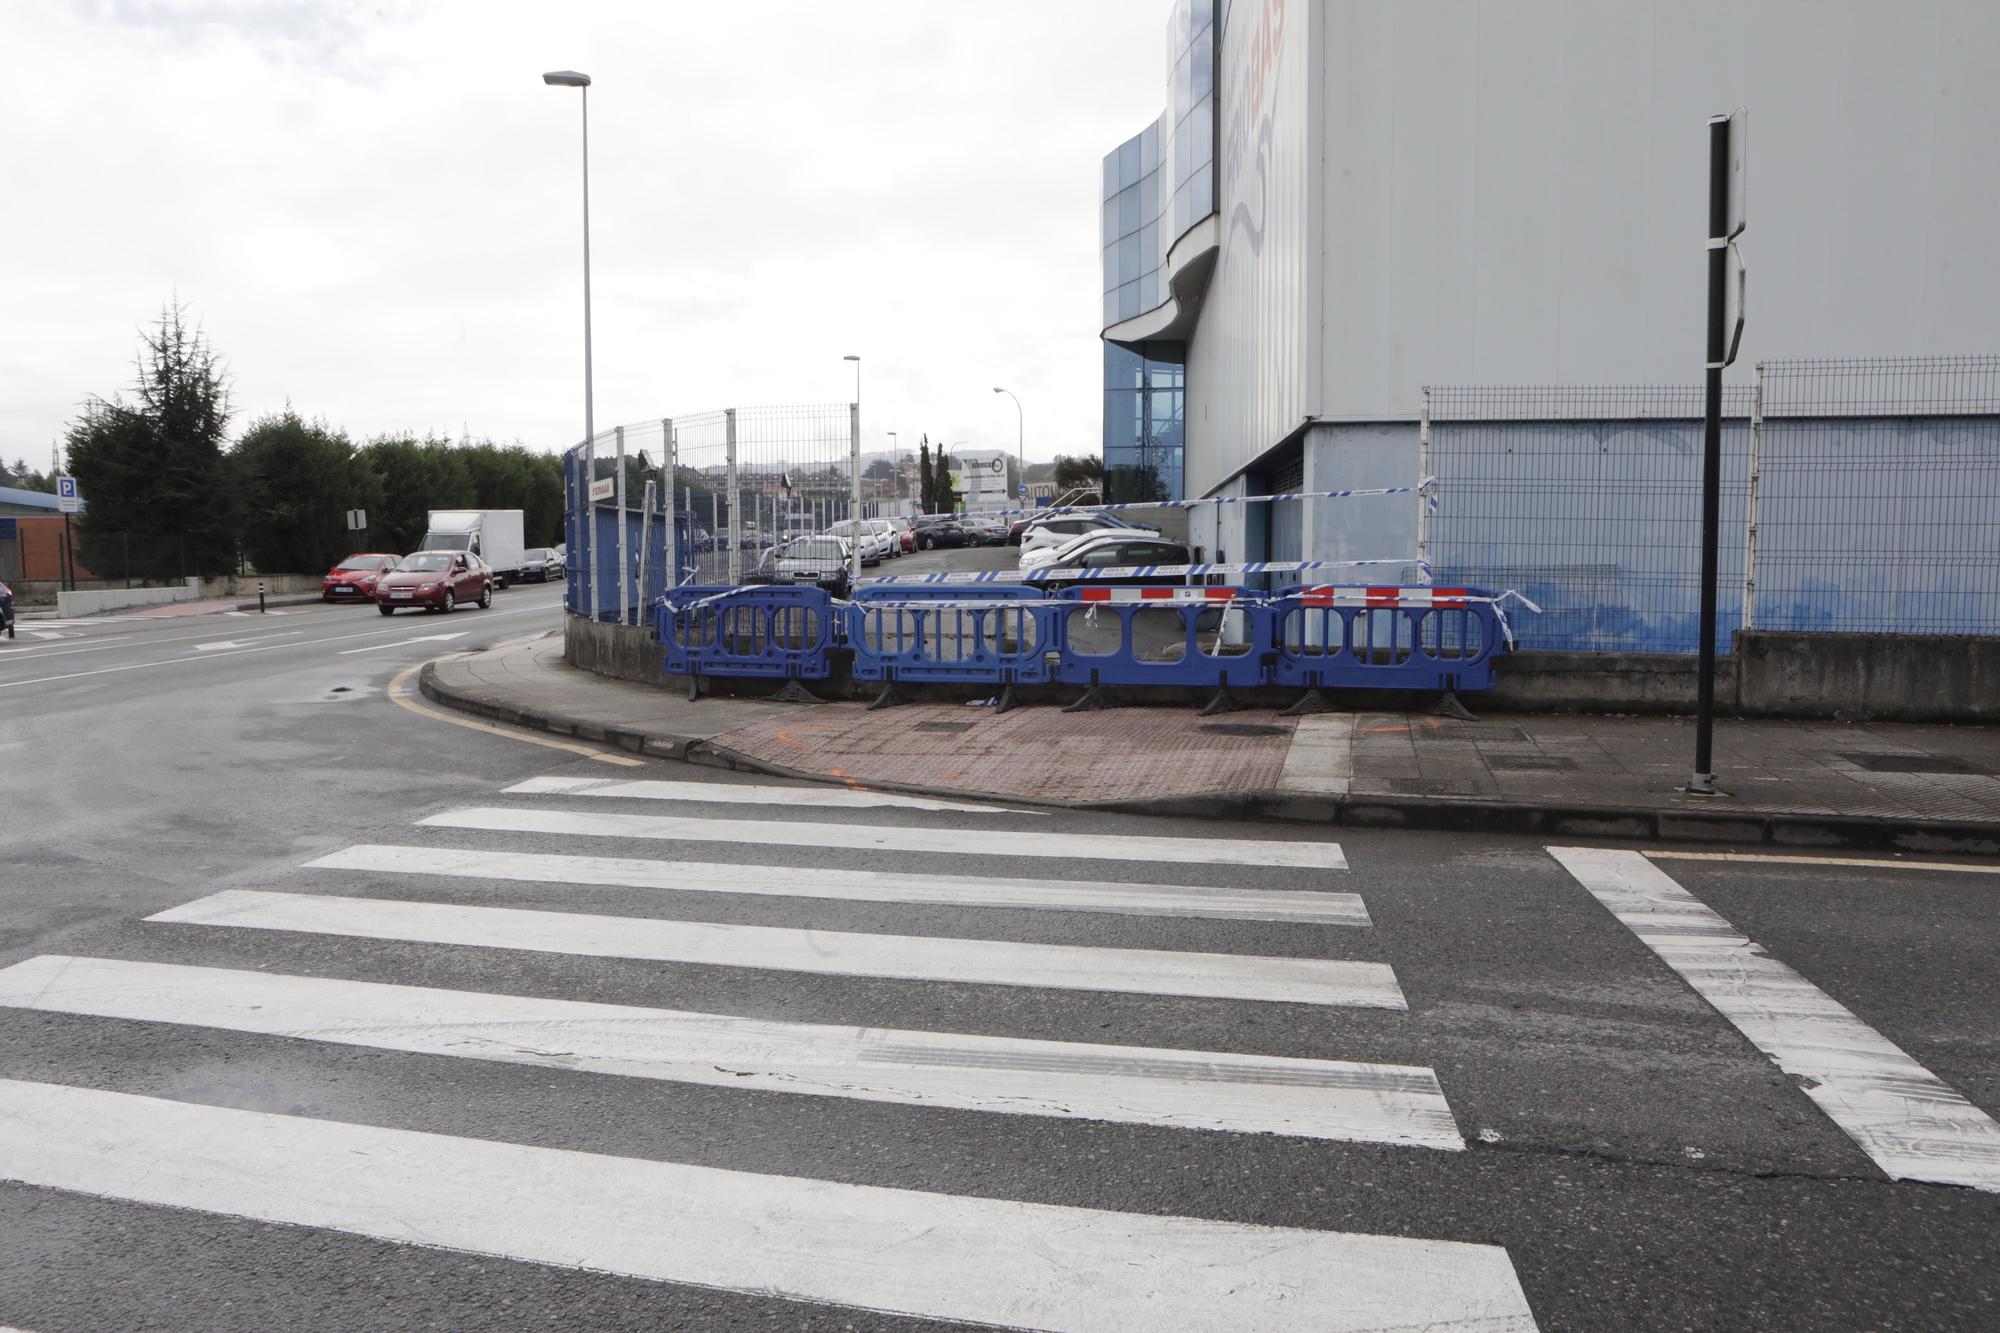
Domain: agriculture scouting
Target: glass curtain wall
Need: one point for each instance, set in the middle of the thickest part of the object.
(1144, 403)
(1161, 181)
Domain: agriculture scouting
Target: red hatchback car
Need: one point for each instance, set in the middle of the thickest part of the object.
(354, 579)
(436, 581)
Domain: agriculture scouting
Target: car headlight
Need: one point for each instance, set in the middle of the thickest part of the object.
(427, 587)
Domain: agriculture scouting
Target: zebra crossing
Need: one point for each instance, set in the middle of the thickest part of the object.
(910, 1252)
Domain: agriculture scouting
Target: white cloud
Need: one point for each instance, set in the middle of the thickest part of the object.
(373, 209)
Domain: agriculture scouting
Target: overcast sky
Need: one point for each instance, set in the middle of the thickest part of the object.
(373, 209)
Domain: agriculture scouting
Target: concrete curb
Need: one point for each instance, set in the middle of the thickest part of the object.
(1368, 810)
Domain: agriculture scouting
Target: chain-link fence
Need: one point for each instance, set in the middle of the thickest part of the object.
(1858, 495)
(729, 485)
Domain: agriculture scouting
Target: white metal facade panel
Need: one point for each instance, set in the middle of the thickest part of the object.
(1461, 193)
(1249, 359)
(1517, 194)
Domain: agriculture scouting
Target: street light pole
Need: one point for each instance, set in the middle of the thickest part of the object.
(569, 78)
(854, 473)
(896, 460)
(1020, 435)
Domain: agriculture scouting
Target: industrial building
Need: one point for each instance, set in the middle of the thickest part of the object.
(1344, 202)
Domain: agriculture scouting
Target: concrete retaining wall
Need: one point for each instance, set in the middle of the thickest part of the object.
(95, 601)
(623, 652)
(1862, 677)
(1851, 677)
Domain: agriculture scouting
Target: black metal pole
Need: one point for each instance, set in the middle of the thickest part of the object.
(68, 568)
(1711, 452)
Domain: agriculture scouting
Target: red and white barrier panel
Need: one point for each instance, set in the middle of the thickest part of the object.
(1165, 596)
(1385, 597)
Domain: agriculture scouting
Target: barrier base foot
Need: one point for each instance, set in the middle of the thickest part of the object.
(1093, 699)
(1006, 700)
(890, 697)
(694, 688)
(794, 693)
(1312, 701)
(1223, 702)
(1449, 706)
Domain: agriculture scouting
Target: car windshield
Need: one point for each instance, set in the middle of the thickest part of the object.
(534, 553)
(359, 562)
(428, 562)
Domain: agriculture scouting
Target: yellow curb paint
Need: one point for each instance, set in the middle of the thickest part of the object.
(400, 695)
(1776, 859)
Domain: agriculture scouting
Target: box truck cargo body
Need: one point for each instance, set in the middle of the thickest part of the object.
(494, 535)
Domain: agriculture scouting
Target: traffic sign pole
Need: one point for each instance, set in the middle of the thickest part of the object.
(1725, 219)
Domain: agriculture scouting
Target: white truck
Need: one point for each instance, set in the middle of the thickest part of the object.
(494, 535)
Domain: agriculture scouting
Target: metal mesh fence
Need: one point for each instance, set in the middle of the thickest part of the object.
(1857, 496)
(731, 484)
(1588, 501)
(1877, 487)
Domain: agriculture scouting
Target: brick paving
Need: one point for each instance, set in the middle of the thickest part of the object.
(1119, 754)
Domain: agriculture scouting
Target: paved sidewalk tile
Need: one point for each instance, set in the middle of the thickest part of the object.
(1919, 774)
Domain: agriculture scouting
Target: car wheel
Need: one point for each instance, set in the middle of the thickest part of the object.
(924, 543)
(450, 603)
(386, 609)
(486, 598)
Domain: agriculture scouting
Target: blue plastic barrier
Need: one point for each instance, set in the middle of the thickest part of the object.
(998, 633)
(1209, 638)
(775, 632)
(1386, 638)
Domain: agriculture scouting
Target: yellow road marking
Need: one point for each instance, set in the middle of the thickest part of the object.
(401, 698)
(1959, 867)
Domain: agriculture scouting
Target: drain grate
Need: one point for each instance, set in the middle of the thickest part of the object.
(1242, 729)
(1911, 763)
(1528, 763)
(942, 726)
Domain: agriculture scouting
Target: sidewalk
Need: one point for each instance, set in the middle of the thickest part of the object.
(171, 610)
(1808, 784)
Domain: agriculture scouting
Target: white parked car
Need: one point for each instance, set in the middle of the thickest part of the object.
(1106, 549)
(870, 534)
(1060, 528)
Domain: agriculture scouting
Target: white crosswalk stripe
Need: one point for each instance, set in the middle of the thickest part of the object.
(885, 837)
(1912, 1123)
(1322, 1099)
(730, 793)
(974, 1260)
(1306, 906)
(839, 953)
(988, 1261)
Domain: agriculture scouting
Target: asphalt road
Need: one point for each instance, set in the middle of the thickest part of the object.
(341, 1156)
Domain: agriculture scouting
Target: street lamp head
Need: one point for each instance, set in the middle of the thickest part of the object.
(566, 78)
(998, 389)
(850, 358)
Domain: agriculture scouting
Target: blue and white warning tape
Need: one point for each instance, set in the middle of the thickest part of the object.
(1145, 572)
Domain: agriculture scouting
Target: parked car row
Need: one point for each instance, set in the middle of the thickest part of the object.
(440, 580)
